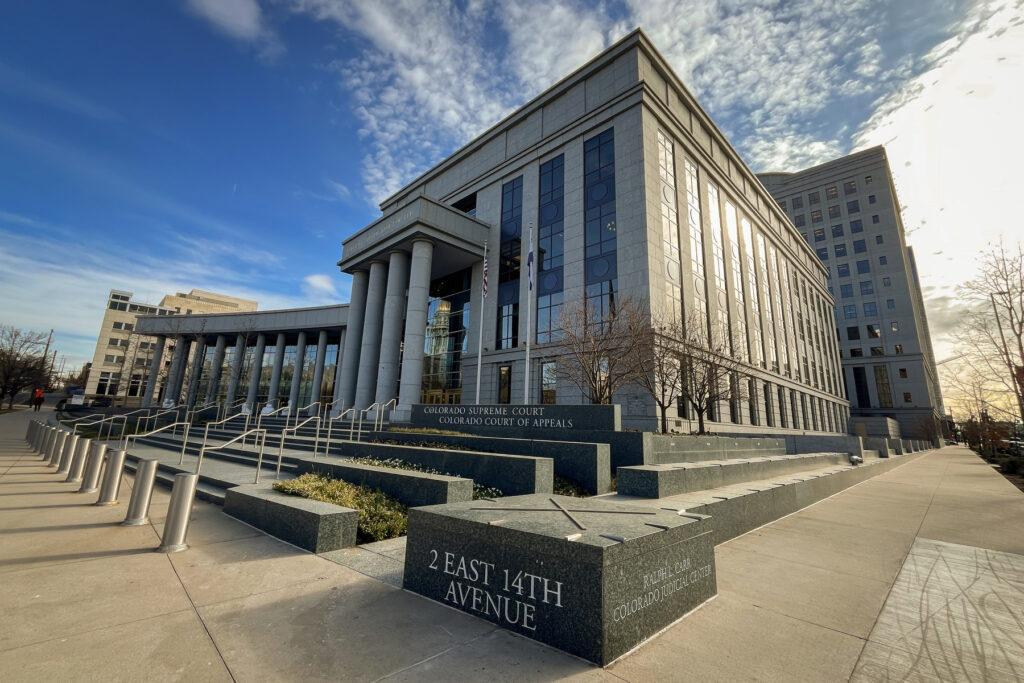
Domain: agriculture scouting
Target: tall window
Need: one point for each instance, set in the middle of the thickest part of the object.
(767, 299)
(718, 261)
(550, 259)
(700, 294)
(505, 384)
(738, 285)
(508, 263)
(548, 383)
(601, 270)
(757, 348)
(670, 226)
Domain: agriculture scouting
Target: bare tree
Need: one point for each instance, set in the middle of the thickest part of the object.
(992, 334)
(660, 364)
(599, 349)
(22, 363)
(710, 373)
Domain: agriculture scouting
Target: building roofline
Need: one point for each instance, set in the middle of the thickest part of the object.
(558, 88)
(853, 156)
(240, 313)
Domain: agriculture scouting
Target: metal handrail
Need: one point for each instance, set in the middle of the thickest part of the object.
(124, 427)
(330, 426)
(190, 416)
(378, 422)
(155, 416)
(330, 406)
(99, 432)
(297, 412)
(204, 450)
(65, 422)
(226, 408)
(293, 430)
(184, 439)
(206, 432)
(364, 411)
(259, 418)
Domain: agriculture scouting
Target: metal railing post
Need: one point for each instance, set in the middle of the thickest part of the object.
(179, 513)
(64, 464)
(142, 492)
(93, 467)
(112, 477)
(78, 461)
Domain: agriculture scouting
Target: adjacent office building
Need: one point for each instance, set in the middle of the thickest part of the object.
(120, 363)
(632, 191)
(848, 212)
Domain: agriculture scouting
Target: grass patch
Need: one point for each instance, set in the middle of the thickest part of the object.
(426, 430)
(380, 516)
(479, 491)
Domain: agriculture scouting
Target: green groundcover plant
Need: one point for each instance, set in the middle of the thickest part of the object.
(380, 516)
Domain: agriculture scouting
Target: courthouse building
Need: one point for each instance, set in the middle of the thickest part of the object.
(632, 191)
(848, 212)
(121, 361)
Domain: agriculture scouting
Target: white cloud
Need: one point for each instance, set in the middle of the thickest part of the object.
(954, 144)
(320, 288)
(242, 20)
(72, 271)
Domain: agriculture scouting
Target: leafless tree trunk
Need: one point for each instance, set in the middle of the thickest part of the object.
(710, 373)
(661, 351)
(599, 355)
(992, 336)
(22, 363)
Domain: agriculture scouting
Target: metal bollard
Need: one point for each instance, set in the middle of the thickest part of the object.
(57, 448)
(112, 477)
(142, 492)
(51, 434)
(44, 438)
(34, 442)
(179, 513)
(78, 460)
(28, 430)
(70, 445)
(93, 467)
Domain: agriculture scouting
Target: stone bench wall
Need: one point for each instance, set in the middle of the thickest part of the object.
(312, 525)
(587, 464)
(406, 486)
(661, 481)
(511, 474)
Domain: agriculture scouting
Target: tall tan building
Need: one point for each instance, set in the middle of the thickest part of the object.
(120, 364)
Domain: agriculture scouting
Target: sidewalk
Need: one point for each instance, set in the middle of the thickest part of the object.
(918, 572)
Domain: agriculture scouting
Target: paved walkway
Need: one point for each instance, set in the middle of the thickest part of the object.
(917, 573)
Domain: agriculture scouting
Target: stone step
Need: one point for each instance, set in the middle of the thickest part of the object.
(670, 479)
(230, 454)
(738, 508)
(207, 489)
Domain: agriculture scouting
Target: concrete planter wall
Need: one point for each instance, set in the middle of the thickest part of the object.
(309, 524)
(406, 486)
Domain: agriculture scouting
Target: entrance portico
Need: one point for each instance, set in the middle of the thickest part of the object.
(397, 257)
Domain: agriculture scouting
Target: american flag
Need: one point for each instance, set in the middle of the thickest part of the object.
(529, 260)
(485, 272)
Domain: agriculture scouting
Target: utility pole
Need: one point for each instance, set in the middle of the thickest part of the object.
(46, 354)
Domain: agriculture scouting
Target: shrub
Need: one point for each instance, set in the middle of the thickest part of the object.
(380, 516)
(567, 487)
(1012, 465)
(479, 490)
(425, 430)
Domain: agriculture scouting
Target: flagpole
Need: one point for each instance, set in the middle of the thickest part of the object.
(480, 328)
(529, 316)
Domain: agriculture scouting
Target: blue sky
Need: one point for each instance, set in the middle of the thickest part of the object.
(232, 144)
